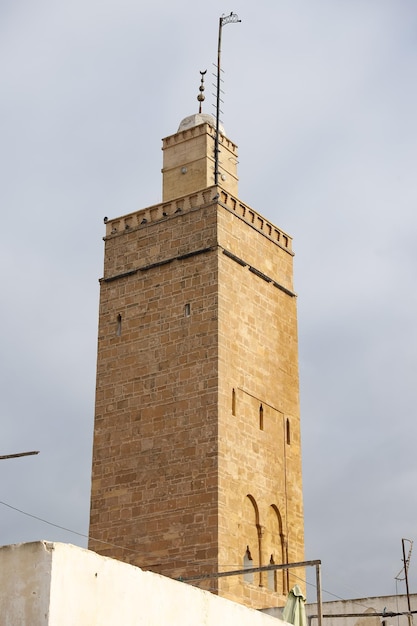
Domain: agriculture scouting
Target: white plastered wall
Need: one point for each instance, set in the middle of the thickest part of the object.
(55, 584)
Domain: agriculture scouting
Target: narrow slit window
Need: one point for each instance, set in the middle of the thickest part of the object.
(119, 325)
(272, 576)
(288, 431)
(187, 310)
(233, 402)
(261, 417)
(247, 563)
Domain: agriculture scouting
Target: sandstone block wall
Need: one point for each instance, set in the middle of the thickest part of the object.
(260, 482)
(197, 453)
(188, 163)
(154, 482)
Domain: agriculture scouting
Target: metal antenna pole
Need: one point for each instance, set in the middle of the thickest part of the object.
(229, 19)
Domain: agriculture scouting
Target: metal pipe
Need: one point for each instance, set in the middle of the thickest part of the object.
(410, 621)
(15, 456)
(319, 600)
(250, 570)
(341, 615)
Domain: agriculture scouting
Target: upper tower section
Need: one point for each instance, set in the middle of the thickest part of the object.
(188, 159)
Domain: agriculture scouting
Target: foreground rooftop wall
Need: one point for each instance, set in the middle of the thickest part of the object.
(56, 584)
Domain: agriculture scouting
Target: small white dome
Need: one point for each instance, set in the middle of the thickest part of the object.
(197, 119)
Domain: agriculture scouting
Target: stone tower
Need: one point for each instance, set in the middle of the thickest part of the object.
(197, 456)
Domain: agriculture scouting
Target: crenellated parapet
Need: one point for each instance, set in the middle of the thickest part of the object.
(256, 220)
(168, 210)
(195, 129)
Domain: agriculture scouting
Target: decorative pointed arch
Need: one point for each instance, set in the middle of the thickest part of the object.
(255, 507)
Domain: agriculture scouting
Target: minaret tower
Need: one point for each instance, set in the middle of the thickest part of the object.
(197, 457)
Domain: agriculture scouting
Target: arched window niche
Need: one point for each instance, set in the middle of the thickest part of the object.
(251, 539)
(275, 550)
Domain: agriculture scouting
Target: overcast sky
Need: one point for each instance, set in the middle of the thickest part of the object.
(321, 98)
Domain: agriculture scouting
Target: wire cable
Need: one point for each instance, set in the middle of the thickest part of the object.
(74, 532)
(143, 554)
